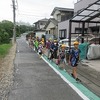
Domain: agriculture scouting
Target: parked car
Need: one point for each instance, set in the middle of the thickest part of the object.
(66, 42)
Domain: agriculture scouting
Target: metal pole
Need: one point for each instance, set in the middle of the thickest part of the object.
(14, 21)
(99, 35)
(70, 28)
(83, 27)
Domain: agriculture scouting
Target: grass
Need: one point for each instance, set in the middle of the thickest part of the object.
(4, 49)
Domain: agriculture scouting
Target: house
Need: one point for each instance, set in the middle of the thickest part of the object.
(85, 5)
(63, 15)
(52, 28)
(59, 15)
(86, 19)
(39, 27)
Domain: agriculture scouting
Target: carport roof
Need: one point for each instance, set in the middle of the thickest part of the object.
(91, 13)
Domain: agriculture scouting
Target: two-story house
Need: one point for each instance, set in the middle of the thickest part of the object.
(66, 14)
(51, 28)
(39, 27)
(59, 14)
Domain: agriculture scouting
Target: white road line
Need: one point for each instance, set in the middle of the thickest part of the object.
(69, 83)
(18, 51)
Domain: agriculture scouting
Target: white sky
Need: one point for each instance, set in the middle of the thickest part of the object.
(32, 10)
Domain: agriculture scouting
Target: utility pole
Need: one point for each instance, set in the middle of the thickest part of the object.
(14, 21)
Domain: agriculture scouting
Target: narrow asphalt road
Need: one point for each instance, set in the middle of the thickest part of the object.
(35, 80)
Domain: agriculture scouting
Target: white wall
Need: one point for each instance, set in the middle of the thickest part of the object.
(51, 25)
(64, 25)
(55, 14)
(39, 34)
(42, 26)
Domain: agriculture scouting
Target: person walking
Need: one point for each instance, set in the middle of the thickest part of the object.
(30, 42)
(48, 44)
(36, 43)
(73, 59)
(61, 57)
(53, 50)
(40, 51)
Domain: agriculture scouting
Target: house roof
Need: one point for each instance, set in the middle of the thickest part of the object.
(54, 21)
(62, 9)
(45, 19)
(90, 13)
(42, 20)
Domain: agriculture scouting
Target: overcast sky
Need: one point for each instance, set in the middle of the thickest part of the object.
(31, 10)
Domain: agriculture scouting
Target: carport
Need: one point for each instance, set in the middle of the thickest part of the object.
(85, 18)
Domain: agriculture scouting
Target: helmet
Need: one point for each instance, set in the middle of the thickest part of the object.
(55, 40)
(63, 45)
(76, 43)
(41, 42)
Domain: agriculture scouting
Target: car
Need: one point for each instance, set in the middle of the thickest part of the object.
(66, 42)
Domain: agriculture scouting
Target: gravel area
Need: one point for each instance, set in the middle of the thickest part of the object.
(6, 73)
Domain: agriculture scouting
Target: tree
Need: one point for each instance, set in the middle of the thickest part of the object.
(6, 30)
(4, 37)
(7, 26)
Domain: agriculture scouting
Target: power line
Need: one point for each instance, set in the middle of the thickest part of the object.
(32, 15)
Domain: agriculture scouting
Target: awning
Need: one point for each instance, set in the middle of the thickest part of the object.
(89, 14)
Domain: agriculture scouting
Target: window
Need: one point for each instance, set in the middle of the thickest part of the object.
(66, 16)
(59, 17)
(41, 23)
(49, 31)
(79, 30)
(62, 34)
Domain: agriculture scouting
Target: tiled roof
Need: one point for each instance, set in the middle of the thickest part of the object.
(44, 20)
(62, 9)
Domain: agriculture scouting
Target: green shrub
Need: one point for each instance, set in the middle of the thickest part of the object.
(4, 38)
(4, 49)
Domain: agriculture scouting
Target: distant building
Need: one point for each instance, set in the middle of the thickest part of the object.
(52, 27)
(39, 27)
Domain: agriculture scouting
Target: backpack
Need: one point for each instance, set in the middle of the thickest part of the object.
(72, 53)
